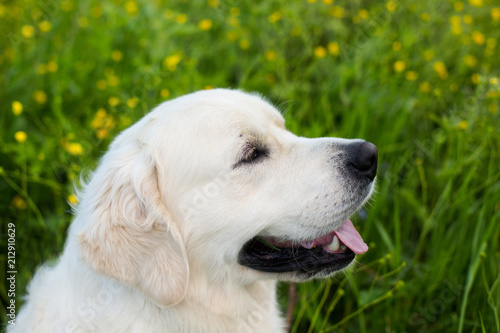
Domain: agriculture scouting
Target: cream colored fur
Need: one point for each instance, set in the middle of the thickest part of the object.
(155, 240)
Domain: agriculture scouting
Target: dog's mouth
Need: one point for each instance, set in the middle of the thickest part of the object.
(322, 255)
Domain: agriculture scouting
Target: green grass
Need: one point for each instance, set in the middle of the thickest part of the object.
(420, 79)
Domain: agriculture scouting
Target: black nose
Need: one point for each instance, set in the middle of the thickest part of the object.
(363, 160)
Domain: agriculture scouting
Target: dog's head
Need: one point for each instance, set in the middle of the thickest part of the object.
(212, 185)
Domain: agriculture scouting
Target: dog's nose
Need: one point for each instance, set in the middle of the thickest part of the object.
(364, 160)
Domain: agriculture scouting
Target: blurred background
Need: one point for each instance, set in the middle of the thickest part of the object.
(420, 79)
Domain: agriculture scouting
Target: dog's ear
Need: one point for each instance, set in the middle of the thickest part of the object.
(129, 234)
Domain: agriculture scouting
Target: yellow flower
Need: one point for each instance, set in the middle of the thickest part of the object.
(495, 14)
(244, 44)
(320, 52)
(425, 87)
(101, 133)
(425, 16)
(20, 136)
(468, 19)
(126, 121)
(41, 69)
(66, 5)
(296, 31)
(181, 18)
(391, 6)
(458, 6)
(235, 11)
(455, 19)
(478, 37)
(98, 119)
(113, 80)
(327, 2)
(101, 113)
(27, 31)
(399, 66)
(40, 97)
(475, 78)
(116, 55)
(440, 68)
(132, 102)
(96, 11)
(165, 93)
(172, 61)
(233, 21)
(83, 22)
(232, 36)
(2, 10)
(491, 43)
(213, 3)
(19, 202)
(311, 1)
(337, 11)
(101, 84)
(205, 24)
(463, 125)
(428, 55)
(131, 7)
(17, 108)
(45, 26)
(476, 3)
(275, 17)
(493, 108)
(492, 94)
(493, 81)
(52, 66)
(411, 75)
(271, 55)
(9, 53)
(470, 60)
(333, 48)
(72, 199)
(364, 14)
(74, 148)
(108, 123)
(456, 29)
(208, 87)
(113, 101)
(396, 46)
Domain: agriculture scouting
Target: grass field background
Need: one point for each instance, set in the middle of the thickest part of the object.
(420, 79)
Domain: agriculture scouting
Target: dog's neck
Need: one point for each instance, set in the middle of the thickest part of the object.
(251, 305)
(217, 305)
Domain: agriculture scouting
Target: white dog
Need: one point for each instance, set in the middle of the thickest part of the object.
(194, 213)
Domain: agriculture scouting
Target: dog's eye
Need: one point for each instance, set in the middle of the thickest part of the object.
(252, 154)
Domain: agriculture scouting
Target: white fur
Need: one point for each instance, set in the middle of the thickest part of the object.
(154, 244)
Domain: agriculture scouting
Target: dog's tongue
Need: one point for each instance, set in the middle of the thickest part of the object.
(348, 235)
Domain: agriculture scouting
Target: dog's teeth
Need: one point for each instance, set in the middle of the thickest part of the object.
(334, 245)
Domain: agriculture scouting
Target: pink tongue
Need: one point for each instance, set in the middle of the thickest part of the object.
(348, 235)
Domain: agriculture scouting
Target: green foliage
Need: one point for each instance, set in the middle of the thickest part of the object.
(420, 79)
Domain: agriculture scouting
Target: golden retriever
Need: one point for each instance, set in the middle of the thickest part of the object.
(192, 216)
